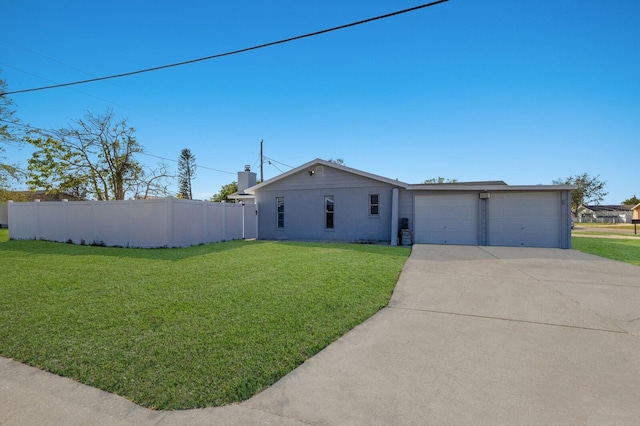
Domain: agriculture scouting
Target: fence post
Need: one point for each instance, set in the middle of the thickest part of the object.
(37, 236)
(224, 221)
(66, 219)
(206, 224)
(170, 227)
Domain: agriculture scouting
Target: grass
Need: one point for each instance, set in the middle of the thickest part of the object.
(184, 328)
(624, 250)
(605, 225)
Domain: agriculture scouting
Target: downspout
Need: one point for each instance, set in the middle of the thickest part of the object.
(394, 217)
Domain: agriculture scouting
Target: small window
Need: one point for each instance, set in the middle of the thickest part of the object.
(374, 204)
(279, 212)
(328, 212)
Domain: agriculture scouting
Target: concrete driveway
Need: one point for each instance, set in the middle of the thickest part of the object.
(472, 335)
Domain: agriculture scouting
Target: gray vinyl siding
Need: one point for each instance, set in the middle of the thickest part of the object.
(304, 209)
(405, 207)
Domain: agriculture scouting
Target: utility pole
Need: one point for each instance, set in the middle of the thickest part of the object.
(261, 162)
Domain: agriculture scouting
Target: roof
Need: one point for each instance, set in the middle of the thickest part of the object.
(452, 186)
(474, 186)
(41, 194)
(236, 196)
(610, 208)
(319, 162)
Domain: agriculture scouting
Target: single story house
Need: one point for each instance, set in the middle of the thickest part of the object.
(617, 213)
(324, 201)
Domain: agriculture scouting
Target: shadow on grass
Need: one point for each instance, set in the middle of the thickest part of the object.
(33, 247)
(37, 247)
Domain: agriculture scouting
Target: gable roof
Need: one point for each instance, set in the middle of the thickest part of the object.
(318, 162)
(610, 208)
(453, 186)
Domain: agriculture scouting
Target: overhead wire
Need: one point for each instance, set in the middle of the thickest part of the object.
(29, 127)
(233, 52)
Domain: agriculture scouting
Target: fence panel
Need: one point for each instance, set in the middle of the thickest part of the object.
(133, 223)
(81, 224)
(23, 221)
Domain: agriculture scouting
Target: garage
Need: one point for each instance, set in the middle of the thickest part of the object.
(446, 218)
(493, 215)
(524, 219)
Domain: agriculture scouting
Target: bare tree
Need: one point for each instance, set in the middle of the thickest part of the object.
(96, 155)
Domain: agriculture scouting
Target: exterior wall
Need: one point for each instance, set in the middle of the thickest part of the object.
(132, 223)
(405, 207)
(304, 209)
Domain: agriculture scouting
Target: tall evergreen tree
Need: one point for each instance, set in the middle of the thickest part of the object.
(186, 173)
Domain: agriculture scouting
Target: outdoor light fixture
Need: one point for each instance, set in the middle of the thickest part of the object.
(311, 172)
(485, 195)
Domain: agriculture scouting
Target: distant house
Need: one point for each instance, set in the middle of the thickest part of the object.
(324, 201)
(622, 213)
(29, 196)
(42, 195)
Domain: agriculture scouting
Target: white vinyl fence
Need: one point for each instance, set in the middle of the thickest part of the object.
(168, 222)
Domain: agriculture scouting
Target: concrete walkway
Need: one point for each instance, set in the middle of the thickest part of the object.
(472, 335)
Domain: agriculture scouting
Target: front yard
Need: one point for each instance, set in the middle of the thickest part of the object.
(182, 328)
(622, 249)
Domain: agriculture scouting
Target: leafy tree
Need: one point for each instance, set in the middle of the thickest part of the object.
(440, 180)
(8, 123)
(225, 191)
(96, 157)
(632, 201)
(6, 195)
(186, 172)
(589, 190)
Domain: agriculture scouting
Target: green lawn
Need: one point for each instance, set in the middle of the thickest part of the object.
(624, 250)
(182, 328)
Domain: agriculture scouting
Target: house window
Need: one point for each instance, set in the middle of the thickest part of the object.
(328, 211)
(279, 212)
(374, 204)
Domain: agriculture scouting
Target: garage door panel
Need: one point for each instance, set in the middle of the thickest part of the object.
(446, 219)
(530, 220)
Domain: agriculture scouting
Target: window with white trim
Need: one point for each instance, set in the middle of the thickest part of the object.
(374, 204)
(328, 211)
(279, 212)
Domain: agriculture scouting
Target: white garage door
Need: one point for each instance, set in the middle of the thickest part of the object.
(531, 219)
(446, 219)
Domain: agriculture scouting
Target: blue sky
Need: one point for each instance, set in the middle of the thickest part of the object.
(524, 92)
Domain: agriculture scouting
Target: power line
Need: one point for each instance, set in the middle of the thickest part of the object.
(156, 101)
(272, 160)
(234, 52)
(29, 127)
(197, 165)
